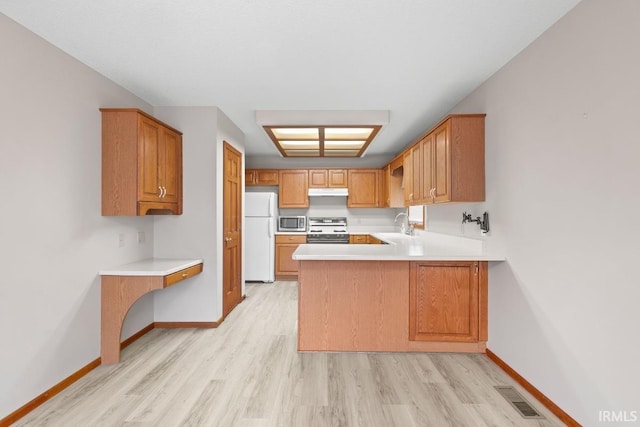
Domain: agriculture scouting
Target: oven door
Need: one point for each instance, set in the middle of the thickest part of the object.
(327, 238)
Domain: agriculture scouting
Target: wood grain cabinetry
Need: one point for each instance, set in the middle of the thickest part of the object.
(286, 245)
(407, 178)
(141, 164)
(445, 165)
(384, 187)
(392, 306)
(448, 301)
(395, 188)
(119, 291)
(327, 178)
(364, 239)
(294, 188)
(261, 177)
(359, 238)
(453, 156)
(363, 188)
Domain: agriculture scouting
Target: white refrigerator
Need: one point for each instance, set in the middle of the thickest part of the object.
(260, 212)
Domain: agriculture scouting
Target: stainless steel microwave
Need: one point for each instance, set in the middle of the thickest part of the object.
(292, 223)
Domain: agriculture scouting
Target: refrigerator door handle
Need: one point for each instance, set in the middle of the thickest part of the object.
(271, 211)
(270, 230)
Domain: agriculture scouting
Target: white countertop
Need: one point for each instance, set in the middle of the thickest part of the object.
(400, 247)
(150, 267)
(291, 233)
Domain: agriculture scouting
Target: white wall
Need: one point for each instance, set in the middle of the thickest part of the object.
(197, 233)
(562, 180)
(194, 233)
(53, 238)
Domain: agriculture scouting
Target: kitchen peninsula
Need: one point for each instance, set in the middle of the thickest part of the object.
(415, 293)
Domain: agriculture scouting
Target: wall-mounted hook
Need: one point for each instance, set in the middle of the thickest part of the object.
(484, 222)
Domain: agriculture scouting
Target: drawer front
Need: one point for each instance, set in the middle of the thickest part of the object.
(285, 238)
(178, 276)
(359, 238)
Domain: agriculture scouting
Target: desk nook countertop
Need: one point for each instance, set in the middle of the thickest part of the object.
(123, 285)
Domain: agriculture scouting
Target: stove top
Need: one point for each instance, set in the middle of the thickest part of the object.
(327, 225)
(327, 230)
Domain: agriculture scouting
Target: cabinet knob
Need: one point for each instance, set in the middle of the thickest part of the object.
(228, 239)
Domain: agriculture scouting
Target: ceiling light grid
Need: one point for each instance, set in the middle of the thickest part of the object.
(322, 141)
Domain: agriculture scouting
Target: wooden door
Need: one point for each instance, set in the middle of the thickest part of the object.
(294, 188)
(444, 301)
(363, 188)
(149, 158)
(427, 169)
(442, 163)
(232, 255)
(171, 165)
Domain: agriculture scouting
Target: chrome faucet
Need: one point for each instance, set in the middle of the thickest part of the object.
(405, 227)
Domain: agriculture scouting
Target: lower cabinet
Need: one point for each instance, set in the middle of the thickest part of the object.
(286, 245)
(364, 239)
(448, 301)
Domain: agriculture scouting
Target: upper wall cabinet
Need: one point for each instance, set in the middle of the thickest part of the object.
(363, 188)
(456, 155)
(141, 164)
(294, 188)
(446, 164)
(261, 177)
(327, 178)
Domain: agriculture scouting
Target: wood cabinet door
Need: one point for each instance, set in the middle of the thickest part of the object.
(444, 301)
(149, 158)
(318, 178)
(171, 165)
(427, 169)
(249, 176)
(359, 239)
(407, 178)
(266, 177)
(285, 265)
(363, 188)
(384, 187)
(337, 178)
(442, 162)
(294, 188)
(416, 174)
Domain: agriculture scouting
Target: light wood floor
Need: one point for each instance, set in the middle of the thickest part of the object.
(247, 372)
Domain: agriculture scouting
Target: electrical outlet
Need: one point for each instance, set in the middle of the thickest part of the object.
(141, 237)
(121, 240)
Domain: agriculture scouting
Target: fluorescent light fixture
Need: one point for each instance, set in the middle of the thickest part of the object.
(321, 141)
(322, 133)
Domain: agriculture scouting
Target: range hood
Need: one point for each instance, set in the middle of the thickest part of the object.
(343, 192)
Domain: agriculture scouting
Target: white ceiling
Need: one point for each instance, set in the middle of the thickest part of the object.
(415, 58)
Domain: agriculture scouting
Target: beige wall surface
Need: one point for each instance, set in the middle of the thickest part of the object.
(54, 239)
(562, 193)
